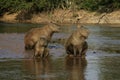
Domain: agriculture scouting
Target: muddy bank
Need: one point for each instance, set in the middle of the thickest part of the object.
(64, 16)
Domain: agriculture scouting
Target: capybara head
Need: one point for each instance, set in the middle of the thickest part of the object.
(54, 28)
(84, 32)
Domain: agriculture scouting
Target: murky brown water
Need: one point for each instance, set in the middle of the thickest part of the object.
(102, 61)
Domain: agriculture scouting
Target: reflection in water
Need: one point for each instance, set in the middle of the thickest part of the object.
(76, 68)
(39, 68)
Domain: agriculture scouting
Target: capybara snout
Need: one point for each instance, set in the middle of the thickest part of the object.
(55, 28)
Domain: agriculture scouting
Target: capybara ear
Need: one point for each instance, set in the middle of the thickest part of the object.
(84, 32)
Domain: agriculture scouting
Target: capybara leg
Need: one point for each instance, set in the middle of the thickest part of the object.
(75, 54)
(46, 54)
(79, 53)
(41, 55)
(83, 53)
(35, 54)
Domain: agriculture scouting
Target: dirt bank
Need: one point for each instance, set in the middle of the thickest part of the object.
(66, 16)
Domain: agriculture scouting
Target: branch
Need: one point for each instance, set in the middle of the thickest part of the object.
(104, 15)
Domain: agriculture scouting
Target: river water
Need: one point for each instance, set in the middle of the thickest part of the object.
(102, 58)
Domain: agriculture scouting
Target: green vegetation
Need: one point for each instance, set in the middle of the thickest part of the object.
(49, 5)
(101, 5)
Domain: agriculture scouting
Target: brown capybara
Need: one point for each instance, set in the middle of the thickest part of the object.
(40, 49)
(34, 34)
(76, 44)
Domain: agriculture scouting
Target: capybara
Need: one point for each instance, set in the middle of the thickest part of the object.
(76, 44)
(40, 49)
(34, 34)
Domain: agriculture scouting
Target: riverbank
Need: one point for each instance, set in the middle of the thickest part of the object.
(64, 16)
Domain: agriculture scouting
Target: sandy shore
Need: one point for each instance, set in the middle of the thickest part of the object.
(66, 16)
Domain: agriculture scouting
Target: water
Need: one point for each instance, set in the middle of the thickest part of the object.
(102, 58)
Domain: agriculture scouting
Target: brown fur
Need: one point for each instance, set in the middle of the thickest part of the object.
(41, 52)
(34, 34)
(76, 44)
(41, 48)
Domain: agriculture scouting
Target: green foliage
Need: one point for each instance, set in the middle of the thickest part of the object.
(48, 5)
(89, 5)
(100, 5)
